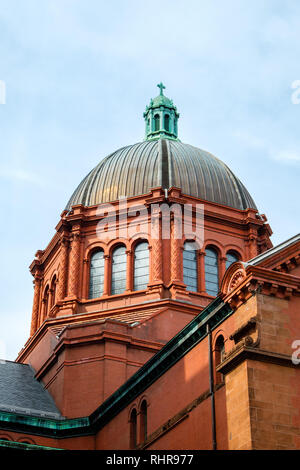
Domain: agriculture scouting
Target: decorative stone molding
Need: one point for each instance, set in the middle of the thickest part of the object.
(242, 281)
(63, 274)
(74, 266)
(245, 351)
(236, 279)
(244, 332)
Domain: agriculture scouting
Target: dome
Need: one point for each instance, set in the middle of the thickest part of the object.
(136, 169)
(161, 100)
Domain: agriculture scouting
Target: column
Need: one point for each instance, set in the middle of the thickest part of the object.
(107, 276)
(201, 272)
(222, 269)
(63, 273)
(129, 270)
(176, 252)
(36, 305)
(74, 264)
(156, 272)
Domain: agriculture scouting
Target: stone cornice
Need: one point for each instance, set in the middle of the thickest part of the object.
(242, 280)
(245, 352)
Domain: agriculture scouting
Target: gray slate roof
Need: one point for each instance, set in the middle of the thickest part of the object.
(21, 393)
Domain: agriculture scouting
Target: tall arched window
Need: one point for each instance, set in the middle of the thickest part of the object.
(211, 272)
(53, 291)
(118, 271)
(190, 277)
(133, 426)
(219, 355)
(46, 302)
(231, 257)
(141, 266)
(96, 275)
(167, 122)
(143, 429)
(156, 122)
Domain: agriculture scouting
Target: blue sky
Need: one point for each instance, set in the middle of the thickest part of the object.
(78, 76)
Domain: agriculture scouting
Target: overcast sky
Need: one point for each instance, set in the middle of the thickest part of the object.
(78, 75)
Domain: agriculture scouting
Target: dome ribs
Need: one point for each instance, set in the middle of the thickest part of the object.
(135, 169)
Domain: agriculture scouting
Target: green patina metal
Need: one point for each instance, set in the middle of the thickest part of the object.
(161, 118)
(44, 426)
(214, 314)
(24, 446)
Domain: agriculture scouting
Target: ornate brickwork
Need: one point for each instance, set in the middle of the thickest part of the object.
(156, 248)
(63, 273)
(176, 251)
(74, 264)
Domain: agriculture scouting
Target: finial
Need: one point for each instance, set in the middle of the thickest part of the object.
(161, 87)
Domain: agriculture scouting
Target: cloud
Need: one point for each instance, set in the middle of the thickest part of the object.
(287, 156)
(20, 175)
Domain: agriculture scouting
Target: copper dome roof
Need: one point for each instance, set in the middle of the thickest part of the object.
(135, 169)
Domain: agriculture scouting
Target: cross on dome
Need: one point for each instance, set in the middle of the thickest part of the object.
(162, 87)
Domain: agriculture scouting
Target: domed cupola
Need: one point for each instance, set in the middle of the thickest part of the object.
(161, 118)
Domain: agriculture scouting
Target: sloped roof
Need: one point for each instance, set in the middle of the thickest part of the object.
(21, 393)
(274, 251)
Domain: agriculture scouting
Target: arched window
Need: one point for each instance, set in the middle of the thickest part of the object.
(141, 266)
(190, 277)
(118, 272)
(46, 302)
(53, 291)
(133, 433)
(219, 355)
(167, 122)
(211, 272)
(143, 434)
(231, 257)
(156, 122)
(96, 275)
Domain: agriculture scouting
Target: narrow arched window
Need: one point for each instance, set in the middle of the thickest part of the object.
(133, 433)
(96, 275)
(53, 291)
(190, 277)
(231, 257)
(141, 266)
(118, 271)
(211, 272)
(167, 122)
(143, 434)
(46, 302)
(156, 122)
(219, 356)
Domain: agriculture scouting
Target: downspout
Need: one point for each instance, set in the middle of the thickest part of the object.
(212, 388)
